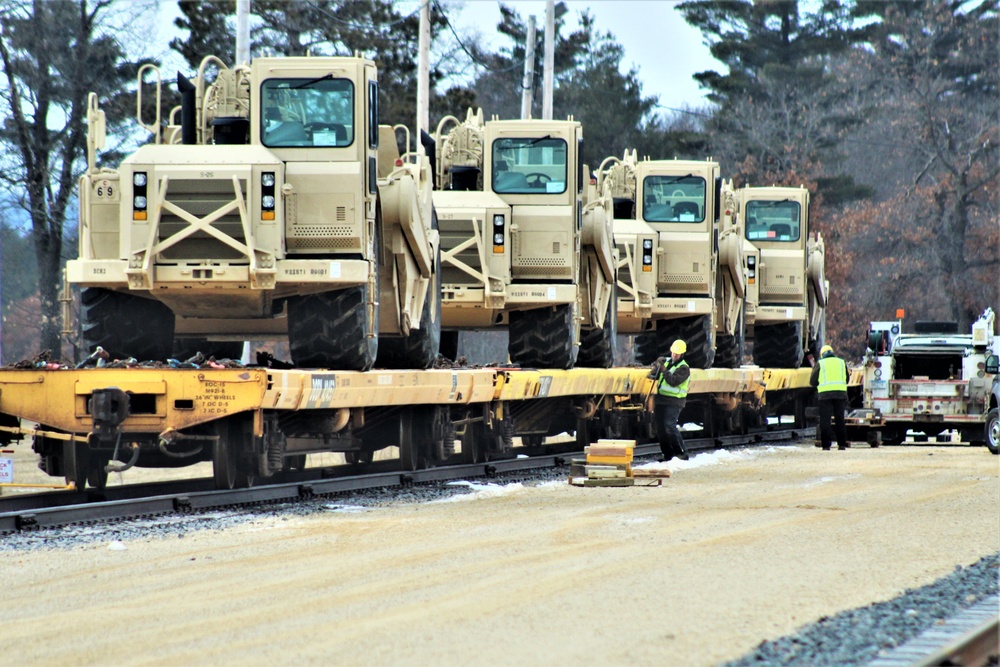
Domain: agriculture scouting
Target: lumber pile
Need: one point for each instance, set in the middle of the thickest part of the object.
(608, 463)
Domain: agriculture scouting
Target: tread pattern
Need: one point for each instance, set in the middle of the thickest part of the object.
(778, 345)
(330, 330)
(695, 331)
(598, 346)
(543, 338)
(126, 325)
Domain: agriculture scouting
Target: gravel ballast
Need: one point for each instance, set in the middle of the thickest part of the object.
(786, 555)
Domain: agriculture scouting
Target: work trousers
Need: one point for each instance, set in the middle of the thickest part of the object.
(832, 408)
(666, 411)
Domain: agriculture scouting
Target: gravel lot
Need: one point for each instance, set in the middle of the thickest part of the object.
(776, 556)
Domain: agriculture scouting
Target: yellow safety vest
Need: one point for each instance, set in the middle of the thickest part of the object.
(664, 388)
(832, 375)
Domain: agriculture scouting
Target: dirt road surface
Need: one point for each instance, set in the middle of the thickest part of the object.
(733, 549)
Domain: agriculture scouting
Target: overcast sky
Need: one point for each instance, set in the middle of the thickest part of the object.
(657, 41)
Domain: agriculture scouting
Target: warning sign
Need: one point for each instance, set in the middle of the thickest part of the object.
(6, 471)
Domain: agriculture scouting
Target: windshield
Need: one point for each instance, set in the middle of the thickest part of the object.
(673, 199)
(773, 220)
(529, 166)
(307, 112)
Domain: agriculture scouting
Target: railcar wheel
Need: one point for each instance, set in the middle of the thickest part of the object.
(473, 443)
(330, 330)
(543, 337)
(410, 454)
(125, 325)
(993, 430)
(228, 468)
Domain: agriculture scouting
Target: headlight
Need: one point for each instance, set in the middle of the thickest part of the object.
(498, 239)
(139, 202)
(498, 221)
(647, 244)
(267, 179)
(139, 178)
(267, 201)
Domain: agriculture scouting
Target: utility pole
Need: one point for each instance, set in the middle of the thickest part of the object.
(242, 32)
(424, 71)
(550, 59)
(528, 83)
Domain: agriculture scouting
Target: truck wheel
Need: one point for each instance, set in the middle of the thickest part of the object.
(543, 338)
(330, 330)
(645, 347)
(993, 430)
(778, 345)
(126, 325)
(695, 331)
(598, 346)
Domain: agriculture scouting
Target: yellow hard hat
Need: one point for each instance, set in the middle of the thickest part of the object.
(678, 347)
(825, 349)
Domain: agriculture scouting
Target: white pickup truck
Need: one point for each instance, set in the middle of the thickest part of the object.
(932, 380)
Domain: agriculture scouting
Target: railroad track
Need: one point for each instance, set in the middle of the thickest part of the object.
(969, 639)
(54, 509)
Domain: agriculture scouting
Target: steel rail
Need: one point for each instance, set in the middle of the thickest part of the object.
(50, 510)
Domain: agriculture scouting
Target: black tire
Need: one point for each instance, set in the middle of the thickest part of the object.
(185, 348)
(695, 331)
(125, 325)
(993, 430)
(729, 349)
(543, 338)
(420, 349)
(646, 348)
(599, 346)
(330, 330)
(778, 345)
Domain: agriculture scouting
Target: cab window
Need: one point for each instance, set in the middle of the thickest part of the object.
(673, 199)
(773, 220)
(308, 112)
(529, 166)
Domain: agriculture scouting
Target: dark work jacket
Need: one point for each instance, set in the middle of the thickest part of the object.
(827, 395)
(674, 375)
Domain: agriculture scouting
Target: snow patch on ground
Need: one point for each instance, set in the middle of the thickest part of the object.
(713, 458)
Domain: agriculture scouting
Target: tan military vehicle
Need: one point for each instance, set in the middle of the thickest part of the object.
(786, 314)
(683, 264)
(270, 204)
(525, 241)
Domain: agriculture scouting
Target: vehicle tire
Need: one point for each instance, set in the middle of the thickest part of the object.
(125, 325)
(543, 337)
(778, 345)
(695, 331)
(993, 430)
(598, 346)
(646, 349)
(330, 330)
(420, 349)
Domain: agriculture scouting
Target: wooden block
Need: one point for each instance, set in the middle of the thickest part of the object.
(606, 474)
(610, 441)
(619, 481)
(609, 450)
(646, 472)
(612, 460)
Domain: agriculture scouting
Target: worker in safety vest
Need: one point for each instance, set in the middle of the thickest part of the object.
(670, 389)
(829, 377)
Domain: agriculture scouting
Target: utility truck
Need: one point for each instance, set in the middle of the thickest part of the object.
(271, 203)
(684, 265)
(786, 310)
(931, 380)
(526, 241)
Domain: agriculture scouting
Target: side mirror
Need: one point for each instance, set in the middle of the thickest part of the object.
(993, 364)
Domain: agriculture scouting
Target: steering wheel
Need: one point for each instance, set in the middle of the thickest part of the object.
(678, 193)
(539, 178)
